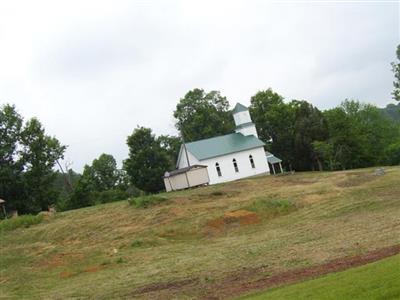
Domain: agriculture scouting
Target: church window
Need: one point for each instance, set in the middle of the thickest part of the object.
(218, 169)
(252, 161)
(235, 165)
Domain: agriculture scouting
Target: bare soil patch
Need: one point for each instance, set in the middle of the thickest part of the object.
(233, 219)
(61, 259)
(65, 275)
(93, 269)
(248, 279)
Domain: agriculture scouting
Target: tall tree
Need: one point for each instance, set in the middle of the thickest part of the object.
(359, 134)
(201, 115)
(39, 155)
(147, 161)
(11, 166)
(171, 144)
(274, 120)
(309, 126)
(103, 173)
(396, 71)
(27, 158)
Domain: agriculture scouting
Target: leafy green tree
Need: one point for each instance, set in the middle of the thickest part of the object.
(393, 153)
(201, 115)
(65, 184)
(103, 173)
(325, 153)
(39, 155)
(360, 134)
(100, 182)
(396, 71)
(172, 145)
(309, 126)
(82, 195)
(10, 166)
(27, 158)
(274, 120)
(392, 112)
(147, 161)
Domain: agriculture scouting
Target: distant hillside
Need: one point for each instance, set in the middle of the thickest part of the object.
(392, 111)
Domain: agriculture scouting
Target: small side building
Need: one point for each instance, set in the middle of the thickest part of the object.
(186, 177)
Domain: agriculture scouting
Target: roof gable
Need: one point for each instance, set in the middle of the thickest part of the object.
(239, 108)
(223, 145)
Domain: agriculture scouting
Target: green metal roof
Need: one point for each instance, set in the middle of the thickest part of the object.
(272, 159)
(239, 107)
(222, 145)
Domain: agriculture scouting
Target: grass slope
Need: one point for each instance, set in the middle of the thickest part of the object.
(186, 244)
(378, 280)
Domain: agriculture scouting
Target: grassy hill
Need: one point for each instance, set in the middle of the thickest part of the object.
(208, 242)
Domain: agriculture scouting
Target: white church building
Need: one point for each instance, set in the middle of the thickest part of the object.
(223, 158)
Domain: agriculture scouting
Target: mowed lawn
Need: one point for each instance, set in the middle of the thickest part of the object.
(186, 246)
(378, 280)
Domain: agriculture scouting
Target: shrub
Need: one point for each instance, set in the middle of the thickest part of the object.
(146, 201)
(110, 196)
(21, 221)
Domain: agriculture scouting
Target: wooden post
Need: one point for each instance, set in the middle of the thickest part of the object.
(280, 165)
(273, 168)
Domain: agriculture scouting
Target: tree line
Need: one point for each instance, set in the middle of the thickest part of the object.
(351, 135)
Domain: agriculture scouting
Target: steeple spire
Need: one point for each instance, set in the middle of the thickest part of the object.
(243, 122)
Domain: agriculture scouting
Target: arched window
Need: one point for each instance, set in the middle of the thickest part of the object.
(252, 161)
(235, 166)
(218, 169)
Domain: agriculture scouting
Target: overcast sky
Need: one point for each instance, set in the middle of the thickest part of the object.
(92, 71)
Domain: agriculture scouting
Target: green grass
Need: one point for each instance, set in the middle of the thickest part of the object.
(21, 221)
(109, 251)
(270, 206)
(378, 280)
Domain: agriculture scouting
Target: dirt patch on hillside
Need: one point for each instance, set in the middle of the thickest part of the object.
(65, 275)
(61, 259)
(93, 269)
(248, 279)
(233, 219)
(3, 279)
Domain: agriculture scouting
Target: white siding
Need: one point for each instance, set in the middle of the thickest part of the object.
(191, 178)
(198, 176)
(243, 162)
(242, 117)
(248, 130)
(182, 163)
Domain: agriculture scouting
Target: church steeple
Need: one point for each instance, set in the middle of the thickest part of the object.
(243, 122)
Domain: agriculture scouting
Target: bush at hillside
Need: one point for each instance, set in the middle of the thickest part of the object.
(21, 221)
